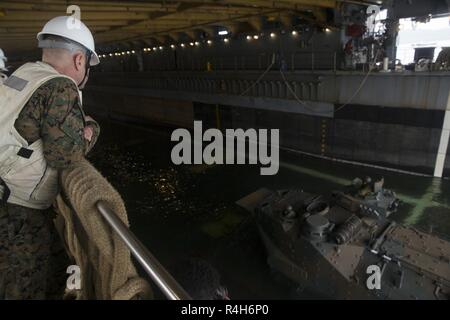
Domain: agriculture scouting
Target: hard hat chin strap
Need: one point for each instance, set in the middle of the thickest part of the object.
(87, 67)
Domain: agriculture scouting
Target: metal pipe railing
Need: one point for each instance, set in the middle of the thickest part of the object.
(168, 285)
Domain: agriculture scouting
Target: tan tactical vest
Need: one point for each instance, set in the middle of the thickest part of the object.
(23, 168)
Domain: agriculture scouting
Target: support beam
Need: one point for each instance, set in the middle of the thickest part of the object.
(40, 24)
(232, 26)
(14, 31)
(175, 36)
(191, 34)
(160, 39)
(153, 17)
(286, 20)
(210, 30)
(148, 42)
(44, 16)
(443, 145)
(87, 6)
(275, 4)
(231, 22)
(256, 23)
(134, 20)
(317, 3)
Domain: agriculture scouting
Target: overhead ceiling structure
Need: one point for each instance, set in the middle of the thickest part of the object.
(139, 22)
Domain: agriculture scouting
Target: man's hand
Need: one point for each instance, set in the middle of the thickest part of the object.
(88, 133)
(88, 130)
(91, 133)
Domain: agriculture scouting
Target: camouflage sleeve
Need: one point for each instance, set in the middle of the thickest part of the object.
(62, 125)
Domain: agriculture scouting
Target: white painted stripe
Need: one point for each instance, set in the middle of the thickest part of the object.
(439, 168)
(446, 125)
(444, 140)
(443, 146)
(356, 163)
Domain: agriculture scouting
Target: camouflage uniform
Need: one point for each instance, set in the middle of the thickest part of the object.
(28, 237)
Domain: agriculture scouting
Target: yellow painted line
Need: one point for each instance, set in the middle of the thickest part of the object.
(424, 202)
(224, 226)
(419, 204)
(315, 173)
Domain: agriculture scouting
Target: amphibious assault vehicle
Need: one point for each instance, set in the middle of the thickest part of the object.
(344, 246)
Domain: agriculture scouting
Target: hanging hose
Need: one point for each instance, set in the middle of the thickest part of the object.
(260, 77)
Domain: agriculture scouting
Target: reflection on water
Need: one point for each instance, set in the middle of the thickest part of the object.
(189, 211)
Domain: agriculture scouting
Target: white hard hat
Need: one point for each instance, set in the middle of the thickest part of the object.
(72, 29)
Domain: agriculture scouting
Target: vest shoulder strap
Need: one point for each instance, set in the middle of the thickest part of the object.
(22, 84)
(32, 75)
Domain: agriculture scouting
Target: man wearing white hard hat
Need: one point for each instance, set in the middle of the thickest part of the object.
(43, 129)
(2, 66)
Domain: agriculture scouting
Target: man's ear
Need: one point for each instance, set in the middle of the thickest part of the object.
(79, 61)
